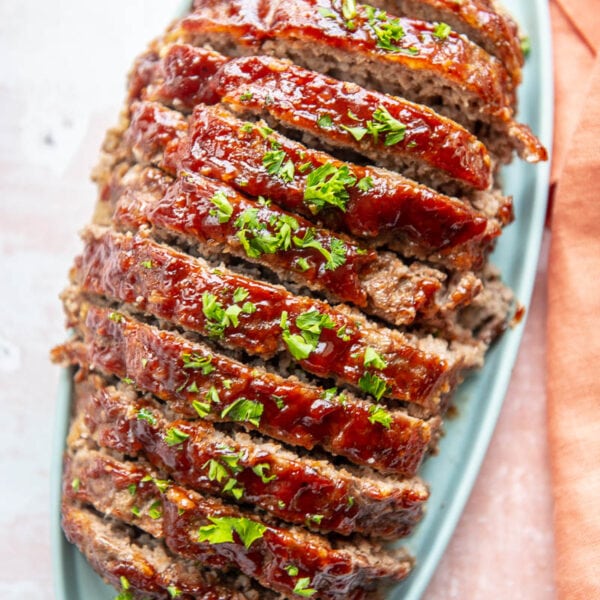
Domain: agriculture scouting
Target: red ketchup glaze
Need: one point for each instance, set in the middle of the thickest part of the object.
(295, 413)
(174, 287)
(331, 572)
(454, 58)
(186, 209)
(182, 512)
(299, 98)
(394, 205)
(295, 492)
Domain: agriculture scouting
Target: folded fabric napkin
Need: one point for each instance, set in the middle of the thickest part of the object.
(574, 301)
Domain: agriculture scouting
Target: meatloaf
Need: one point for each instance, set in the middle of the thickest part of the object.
(285, 280)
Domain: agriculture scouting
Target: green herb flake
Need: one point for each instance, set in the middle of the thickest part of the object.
(327, 186)
(358, 133)
(442, 30)
(384, 123)
(174, 592)
(374, 359)
(324, 121)
(302, 264)
(291, 570)
(147, 264)
(75, 484)
(234, 488)
(223, 208)
(197, 362)
(378, 414)
(227, 383)
(246, 96)
(135, 511)
(155, 510)
(374, 385)
(116, 317)
(244, 410)
(326, 12)
(387, 31)
(132, 489)
(127, 380)
(246, 128)
(302, 587)
(202, 408)
(175, 437)
(349, 9)
(145, 414)
(240, 294)
(222, 528)
(216, 471)
(279, 402)
(260, 469)
(526, 46)
(365, 184)
(316, 519)
(334, 257)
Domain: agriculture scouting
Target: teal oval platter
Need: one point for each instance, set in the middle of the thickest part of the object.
(452, 473)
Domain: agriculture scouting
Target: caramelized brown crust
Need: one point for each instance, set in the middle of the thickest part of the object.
(260, 473)
(480, 20)
(301, 99)
(178, 514)
(293, 412)
(184, 212)
(148, 568)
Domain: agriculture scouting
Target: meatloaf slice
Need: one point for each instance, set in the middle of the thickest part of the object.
(394, 133)
(143, 567)
(190, 377)
(482, 21)
(366, 202)
(186, 212)
(301, 490)
(395, 55)
(222, 536)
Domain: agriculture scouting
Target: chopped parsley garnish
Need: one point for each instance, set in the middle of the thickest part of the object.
(378, 414)
(526, 46)
(335, 257)
(174, 592)
(248, 95)
(325, 121)
(132, 489)
(217, 317)
(240, 294)
(244, 410)
(75, 483)
(155, 512)
(273, 161)
(373, 384)
(175, 437)
(302, 587)
(365, 184)
(279, 402)
(202, 408)
(382, 123)
(303, 264)
(316, 519)
(197, 362)
(311, 324)
(147, 264)
(358, 133)
(442, 31)
(126, 593)
(234, 488)
(116, 317)
(246, 128)
(223, 208)
(349, 9)
(326, 12)
(260, 469)
(127, 380)
(216, 471)
(291, 570)
(388, 31)
(327, 185)
(222, 528)
(144, 414)
(374, 359)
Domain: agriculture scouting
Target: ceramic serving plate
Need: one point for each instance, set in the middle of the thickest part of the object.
(452, 473)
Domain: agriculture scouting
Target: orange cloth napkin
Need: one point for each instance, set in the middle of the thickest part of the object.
(574, 301)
